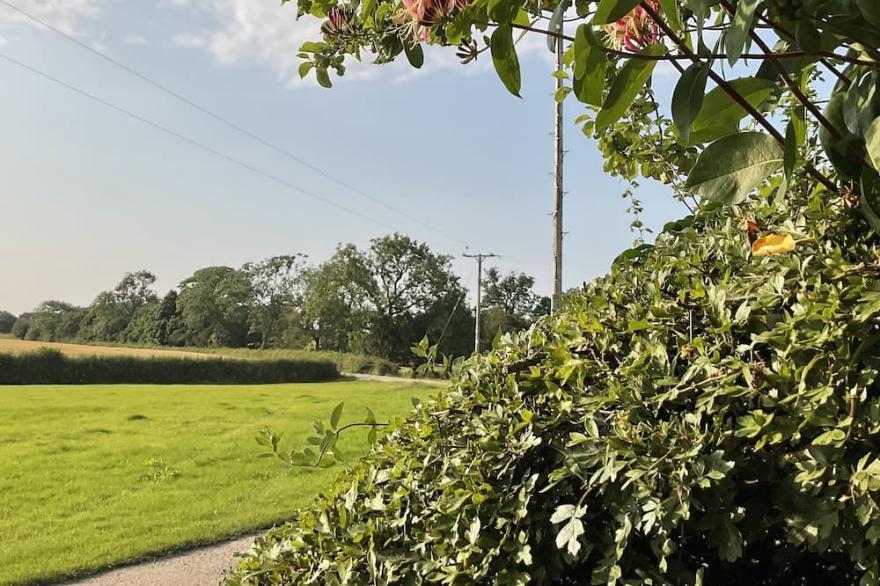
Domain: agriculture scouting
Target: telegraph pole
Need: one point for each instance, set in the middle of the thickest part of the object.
(480, 258)
(558, 192)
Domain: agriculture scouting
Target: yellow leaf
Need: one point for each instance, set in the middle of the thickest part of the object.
(773, 244)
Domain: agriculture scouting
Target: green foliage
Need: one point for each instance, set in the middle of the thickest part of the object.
(698, 416)
(732, 167)
(7, 321)
(49, 366)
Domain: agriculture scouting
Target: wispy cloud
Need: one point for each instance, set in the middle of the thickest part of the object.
(66, 15)
(262, 32)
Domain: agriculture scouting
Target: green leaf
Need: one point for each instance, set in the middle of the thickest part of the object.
(738, 32)
(870, 10)
(337, 413)
(791, 151)
(870, 198)
(555, 24)
(367, 8)
(323, 77)
(807, 36)
(503, 11)
(730, 168)
(670, 9)
(830, 437)
(610, 11)
(720, 115)
(414, 54)
(504, 58)
(630, 80)
(568, 535)
(305, 67)
(872, 142)
(590, 64)
(687, 99)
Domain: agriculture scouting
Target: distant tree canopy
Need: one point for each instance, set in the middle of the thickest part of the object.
(7, 320)
(379, 301)
(509, 304)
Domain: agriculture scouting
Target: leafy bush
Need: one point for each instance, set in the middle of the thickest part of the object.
(48, 366)
(698, 416)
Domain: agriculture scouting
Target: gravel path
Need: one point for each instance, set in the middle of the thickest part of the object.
(204, 566)
(434, 382)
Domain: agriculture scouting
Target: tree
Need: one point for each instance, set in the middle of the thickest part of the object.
(213, 304)
(134, 291)
(54, 321)
(276, 285)
(510, 303)
(21, 326)
(7, 320)
(106, 320)
(335, 301)
(407, 285)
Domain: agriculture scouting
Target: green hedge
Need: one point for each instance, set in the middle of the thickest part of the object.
(47, 366)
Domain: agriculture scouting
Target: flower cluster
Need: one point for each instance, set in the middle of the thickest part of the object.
(418, 15)
(636, 30)
(339, 22)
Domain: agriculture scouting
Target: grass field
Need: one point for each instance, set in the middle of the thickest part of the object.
(345, 361)
(92, 476)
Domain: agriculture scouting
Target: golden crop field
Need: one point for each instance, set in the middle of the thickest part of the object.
(16, 346)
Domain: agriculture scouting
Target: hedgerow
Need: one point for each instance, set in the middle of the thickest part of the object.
(698, 416)
(49, 366)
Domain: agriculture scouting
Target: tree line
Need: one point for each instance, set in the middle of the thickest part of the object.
(377, 301)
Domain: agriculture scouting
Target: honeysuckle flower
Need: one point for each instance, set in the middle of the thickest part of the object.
(338, 21)
(420, 14)
(636, 30)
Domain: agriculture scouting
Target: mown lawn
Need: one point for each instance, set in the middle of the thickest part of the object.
(77, 492)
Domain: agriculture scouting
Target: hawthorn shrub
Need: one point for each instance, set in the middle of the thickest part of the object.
(50, 366)
(698, 416)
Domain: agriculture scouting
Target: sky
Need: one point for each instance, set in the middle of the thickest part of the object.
(88, 193)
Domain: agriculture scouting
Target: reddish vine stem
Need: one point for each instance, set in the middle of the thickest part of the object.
(673, 58)
(796, 92)
(730, 91)
(782, 31)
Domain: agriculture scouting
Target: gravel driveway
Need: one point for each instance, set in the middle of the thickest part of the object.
(204, 566)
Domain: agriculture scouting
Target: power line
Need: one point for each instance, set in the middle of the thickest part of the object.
(193, 142)
(227, 122)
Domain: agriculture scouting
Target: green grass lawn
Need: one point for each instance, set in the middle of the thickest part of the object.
(76, 494)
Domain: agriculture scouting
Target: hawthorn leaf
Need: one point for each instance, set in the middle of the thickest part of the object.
(687, 99)
(336, 415)
(730, 168)
(504, 58)
(872, 143)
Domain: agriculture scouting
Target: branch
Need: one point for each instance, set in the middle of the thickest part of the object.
(783, 32)
(730, 91)
(792, 87)
(785, 55)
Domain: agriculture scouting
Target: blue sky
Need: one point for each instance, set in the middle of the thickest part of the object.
(88, 194)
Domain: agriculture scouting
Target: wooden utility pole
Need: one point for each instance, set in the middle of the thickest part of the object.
(480, 258)
(558, 192)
